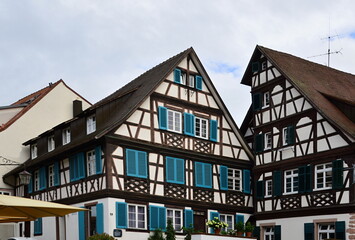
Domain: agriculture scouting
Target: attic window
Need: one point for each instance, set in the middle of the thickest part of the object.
(263, 65)
(190, 80)
(33, 151)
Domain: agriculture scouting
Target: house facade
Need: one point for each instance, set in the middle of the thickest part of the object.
(162, 147)
(301, 128)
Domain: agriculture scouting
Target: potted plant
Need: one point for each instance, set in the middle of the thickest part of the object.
(239, 226)
(249, 228)
(216, 224)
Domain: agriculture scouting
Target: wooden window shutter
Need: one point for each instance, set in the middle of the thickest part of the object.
(212, 216)
(260, 190)
(213, 130)
(99, 218)
(257, 101)
(256, 232)
(309, 231)
(198, 174)
(163, 117)
(98, 160)
(170, 172)
(277, 232)
(189, 124)
(259, 143)
(177, 75)
(121, 215)
(188, 218)
(30, 185)
(223, 177)
(56, 174)
(42, 178)
(246, 181)
(72, 168)
(38, 226)
(180, 170)
(308, 178)
(208, 175)
(255, 67)
(198, 82)
(291, 135)
(142, 164)
(277, 183)
(81, 165)
(337, 174)
(239, 218)
(340, 230)
(131, 164)
(302, 179)
(81, 222)
(157, 217)
(162, 218)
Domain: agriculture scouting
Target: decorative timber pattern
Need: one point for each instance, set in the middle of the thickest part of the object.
(175, 191)
(137, 185)
(203, 195)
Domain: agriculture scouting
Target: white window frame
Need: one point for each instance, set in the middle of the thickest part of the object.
(176, 124)
(269, 232)
(191, 81)
(223, 217)
(33, 151)
(291, 175)
(199, 121)
(51, 175)
(136, 216)
(326, 168)
(66, 136)
(51, 143)
(284, 136)
(183, 77)
(268, 188)
(267, 141)
(266, 100)
(91, 124)
(36, 180)
(90, 163)
(233, 179)
(173, 220)
(327, 231)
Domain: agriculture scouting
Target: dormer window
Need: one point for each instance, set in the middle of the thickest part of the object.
(66, 136)
(33, 151)
(91, 124)
(51, 143)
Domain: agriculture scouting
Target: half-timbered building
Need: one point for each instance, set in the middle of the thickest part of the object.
(301, 128)
(162, 147)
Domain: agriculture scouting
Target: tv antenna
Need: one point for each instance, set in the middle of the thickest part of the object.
(329, 38)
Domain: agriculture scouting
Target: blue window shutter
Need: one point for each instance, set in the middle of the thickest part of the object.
(256, 232)
(255, 67)
(257, 101)
(301, 179)
(277, 186)
(260, 190)
(208, 175)
(188, 218)
(162, 218)
(198, 82)
(170, 171)
(337, 174)
(198, 174)
(142, 164)
(180, 170)
(163, 117)
(56, 174)
(121, 215)
(38, 226)
(131, 163)
(223, 177)
(239, 218)
(259, 143)
(213, 130)
(100, 218)
(291, 135)
(30, 185)
(340, 230)
(81, 165)
(81, 221)
(212, 216)
(277, 232)
(189, 124)
(309, 231)
(177, 74)
(42, 178)
(246, 181)
(72, 168)
(98, 159)
(309, 179)
(153, 217)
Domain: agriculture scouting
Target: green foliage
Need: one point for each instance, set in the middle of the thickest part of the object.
(216, 223)
(170, 231)
(103, 236)
(239, 226)
(249, 227)
(157, 235)
(188, 231)
(224, 233)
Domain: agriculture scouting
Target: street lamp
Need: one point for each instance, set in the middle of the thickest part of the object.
(25, 177)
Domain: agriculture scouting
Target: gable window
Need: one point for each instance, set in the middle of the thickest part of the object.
(268, 188)
(181, 78)
(263, 65)
(91, 163)
(261, 100)
(323, 176)
(234, 179)
(66, 136)
(229, 219)
(136, 163)
(174, 121)
(268, 140)
(91, 124)
(266, 99)
(288, 135)
(191, 82)
(203, 175)
(291, 181)
(136, 216)
(201, 126)
(175, 215)
(51, 143)
(175, 170)
(36, 180)
(33, 151)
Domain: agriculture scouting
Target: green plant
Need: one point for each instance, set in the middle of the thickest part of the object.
(249, 227)
(216, 223)
(188, 231)
(224, 233)
(239, 226)
(157, 235)
(170, 231)
(103, 236)
(231, 233)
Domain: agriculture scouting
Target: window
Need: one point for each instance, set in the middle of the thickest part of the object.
(288, 135)
(91, 124)
(175, 170)
(5, 193)
(323, 176)
(91, 163)
(291, 181)
(191, 82)
(269, 233)
(51, 144)
(326, 231)
(268, 140)
(37, 226)
(136, 216)
(51, 176)
(203, 175)
(234, 179)
(174, 121)
(268, 188)
(201, 126)
(263, 65)
(66, 136)
(175, 215)
(36, 180)
(33, 151)
(229, 219)
(183, 78)
(266, 99)
(136, 163)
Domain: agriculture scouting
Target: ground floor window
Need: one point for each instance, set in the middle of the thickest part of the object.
(175, 215)
(228, 219)
(269, 233)
(326, 231)
(136, 216)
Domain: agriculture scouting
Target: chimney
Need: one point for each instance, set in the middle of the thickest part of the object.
(77, 107)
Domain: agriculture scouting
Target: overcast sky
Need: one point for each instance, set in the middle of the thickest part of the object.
(98, 46)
